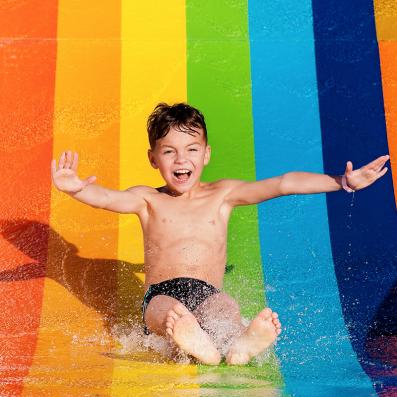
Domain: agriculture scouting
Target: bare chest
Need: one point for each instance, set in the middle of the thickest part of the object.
(186, 219)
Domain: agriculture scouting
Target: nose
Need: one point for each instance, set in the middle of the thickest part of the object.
(180, 157)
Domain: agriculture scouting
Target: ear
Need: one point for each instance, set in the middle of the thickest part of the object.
(207, 154)
(152, 159)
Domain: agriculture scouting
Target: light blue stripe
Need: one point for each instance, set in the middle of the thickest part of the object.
(315, 352)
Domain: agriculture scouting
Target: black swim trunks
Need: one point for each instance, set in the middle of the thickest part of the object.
(189, 291)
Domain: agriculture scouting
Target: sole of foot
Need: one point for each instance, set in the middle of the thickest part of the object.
(186, 333)
(260, 334)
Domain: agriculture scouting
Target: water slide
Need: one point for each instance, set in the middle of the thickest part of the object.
(284, 85)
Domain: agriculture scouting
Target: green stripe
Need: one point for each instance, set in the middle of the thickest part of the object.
(219, 84)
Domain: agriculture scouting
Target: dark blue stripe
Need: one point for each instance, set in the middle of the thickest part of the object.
(363, 229)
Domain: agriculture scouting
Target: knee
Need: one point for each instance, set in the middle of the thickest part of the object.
(157, 311)
(221, 305)
(228, 305)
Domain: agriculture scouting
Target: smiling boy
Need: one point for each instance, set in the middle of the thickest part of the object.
(185, 224)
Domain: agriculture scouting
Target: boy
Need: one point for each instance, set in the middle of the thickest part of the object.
(184, 224)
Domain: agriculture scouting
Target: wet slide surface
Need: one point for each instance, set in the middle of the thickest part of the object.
(284, 86)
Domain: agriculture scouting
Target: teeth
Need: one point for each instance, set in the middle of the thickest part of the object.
(181, 171)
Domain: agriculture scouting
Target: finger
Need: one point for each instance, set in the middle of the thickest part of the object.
(62, 159)
(53, 166)
(68, 159)
(378, 163)
(53, 169)
(382, 163)
(349, 167)
(383, 172)
(75, 162)
(380, 167)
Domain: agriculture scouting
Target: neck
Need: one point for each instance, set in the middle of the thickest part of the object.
(189, 194)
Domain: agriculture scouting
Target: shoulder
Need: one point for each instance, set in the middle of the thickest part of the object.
(142, 190)
(227, 185)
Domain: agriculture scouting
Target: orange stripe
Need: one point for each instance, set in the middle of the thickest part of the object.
(79, 304)
(27, 71)
(388, 61)
(386, 28)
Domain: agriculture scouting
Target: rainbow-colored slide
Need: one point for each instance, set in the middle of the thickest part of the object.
(284, 85)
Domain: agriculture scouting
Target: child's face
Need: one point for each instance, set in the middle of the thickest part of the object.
(180, 158)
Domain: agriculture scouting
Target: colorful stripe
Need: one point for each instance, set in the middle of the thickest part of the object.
(295, 240)
(81, 280)
(27, 71)
(153, 70)
(218, 81)
(382, 339)
(284, 86)
(351, 91)
(386, 31)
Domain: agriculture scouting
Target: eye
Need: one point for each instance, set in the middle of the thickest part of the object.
(192, 150)
(167, 151)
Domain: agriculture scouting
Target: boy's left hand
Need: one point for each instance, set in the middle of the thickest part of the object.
(366, 175)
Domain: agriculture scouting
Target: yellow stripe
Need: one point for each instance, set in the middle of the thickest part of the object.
(80, 285)
(153, 70)
(146, 379)
(386, 16)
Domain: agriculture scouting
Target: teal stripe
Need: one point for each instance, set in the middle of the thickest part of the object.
(218, 83)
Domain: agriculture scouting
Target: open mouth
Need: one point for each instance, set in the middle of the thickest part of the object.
(182, 175)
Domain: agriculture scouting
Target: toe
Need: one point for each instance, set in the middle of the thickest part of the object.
(168, 324)
(275, 315)
(238, 359)
(172, 314)
(265, 314)
(180, 309)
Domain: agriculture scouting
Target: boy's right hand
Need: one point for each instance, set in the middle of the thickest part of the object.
(65, 177)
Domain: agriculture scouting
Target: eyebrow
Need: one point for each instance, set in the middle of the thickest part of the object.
(190, 144)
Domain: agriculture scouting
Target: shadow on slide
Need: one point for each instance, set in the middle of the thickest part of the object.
(381, 344)
(93, 281)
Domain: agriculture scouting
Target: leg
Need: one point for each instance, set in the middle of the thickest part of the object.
(220, 316)
(186, 332)
(259, 335)
(156, 313)
(167, 316)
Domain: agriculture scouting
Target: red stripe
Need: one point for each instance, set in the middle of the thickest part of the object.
(27, 84)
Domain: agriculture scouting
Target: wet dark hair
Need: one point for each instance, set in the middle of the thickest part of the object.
(181, 116)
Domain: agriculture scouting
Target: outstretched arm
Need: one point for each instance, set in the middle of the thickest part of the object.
(65, 179)
(244, 193)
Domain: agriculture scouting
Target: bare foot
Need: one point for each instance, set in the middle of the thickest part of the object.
(186, 332)
(260, 334)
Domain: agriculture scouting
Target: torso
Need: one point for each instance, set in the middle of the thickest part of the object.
(186, 237)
